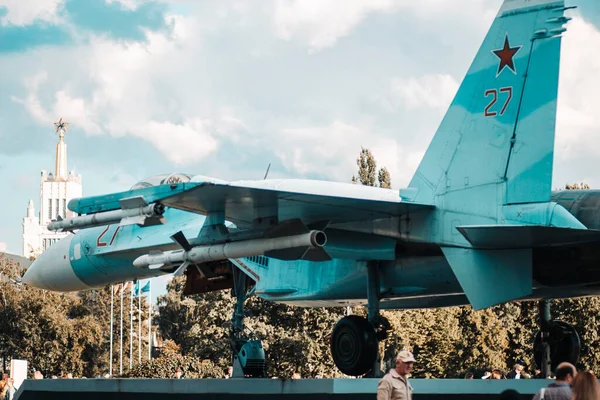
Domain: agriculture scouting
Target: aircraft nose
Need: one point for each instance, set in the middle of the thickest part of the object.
(52, 270)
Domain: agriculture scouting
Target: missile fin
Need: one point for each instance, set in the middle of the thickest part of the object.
(136, 220)
(181, 269)
(181, 240)
(154, 221)
(133, 202)
(316, 254)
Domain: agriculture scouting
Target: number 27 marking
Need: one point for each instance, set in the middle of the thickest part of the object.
(494, 94)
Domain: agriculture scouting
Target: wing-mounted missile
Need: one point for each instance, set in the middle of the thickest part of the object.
(180, 259)
(134, 210)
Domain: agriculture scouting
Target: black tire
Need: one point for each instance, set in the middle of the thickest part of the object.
(565, 345)
(354, 345)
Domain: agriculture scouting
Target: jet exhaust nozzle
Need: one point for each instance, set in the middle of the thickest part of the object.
(223, 251)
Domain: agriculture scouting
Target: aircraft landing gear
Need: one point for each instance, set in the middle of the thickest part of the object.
(248, 355)
(355, 340)
(556, 342)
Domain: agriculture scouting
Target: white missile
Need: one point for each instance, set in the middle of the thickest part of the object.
(223, 251)
(129, 216)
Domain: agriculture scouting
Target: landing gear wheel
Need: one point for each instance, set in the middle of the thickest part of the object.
(565, 345)
(354, 345)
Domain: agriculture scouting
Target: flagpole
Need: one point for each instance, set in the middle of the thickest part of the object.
(149, 319)
(139, 294)
(110, 361)
(121, 347)
(131, 329)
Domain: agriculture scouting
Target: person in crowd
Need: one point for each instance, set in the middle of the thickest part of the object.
(585, 386)
(229, 373)
(469, 375)
(497, 374)
(394, 385)
(487, 375)
(296, 375)
(4, 381)
(8, 393)
(178, 373)
(517, 372)
(37, 375)
(560, 389)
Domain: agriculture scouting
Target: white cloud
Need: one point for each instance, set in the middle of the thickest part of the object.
(323, 21)
(331, 150)
(25, 12)
(180, 143)
(434, 91)
(578, 120)
(121, 96)
(130, 5)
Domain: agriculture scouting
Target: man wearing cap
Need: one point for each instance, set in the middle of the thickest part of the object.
(394, 385)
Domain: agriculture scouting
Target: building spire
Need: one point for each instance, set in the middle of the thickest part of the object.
(30, 210)
(61, 150)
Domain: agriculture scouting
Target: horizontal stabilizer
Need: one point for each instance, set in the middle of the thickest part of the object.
(522, 237)
(490, 277)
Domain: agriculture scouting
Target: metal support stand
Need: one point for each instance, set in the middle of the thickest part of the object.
(248, 355)
(545, 325)
(237, 320)
(373, 298)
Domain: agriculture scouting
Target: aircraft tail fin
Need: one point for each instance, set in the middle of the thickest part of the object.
(498, 133)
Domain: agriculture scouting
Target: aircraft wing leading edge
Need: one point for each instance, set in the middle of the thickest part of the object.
(242, 204)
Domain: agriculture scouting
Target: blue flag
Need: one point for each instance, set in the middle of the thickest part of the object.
(146, 288)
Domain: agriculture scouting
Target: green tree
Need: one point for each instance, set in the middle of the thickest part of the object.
(577, 186)
(367, 168)
(48, 329)
(368, 174)
(384, 179)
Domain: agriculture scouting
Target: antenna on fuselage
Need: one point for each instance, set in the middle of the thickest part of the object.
(267, 173)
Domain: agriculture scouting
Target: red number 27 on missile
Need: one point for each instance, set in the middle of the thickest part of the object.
(505, 91)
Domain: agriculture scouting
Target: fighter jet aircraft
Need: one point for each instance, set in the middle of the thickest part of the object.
(478, 223)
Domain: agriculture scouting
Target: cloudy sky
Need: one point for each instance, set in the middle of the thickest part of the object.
(223, 88)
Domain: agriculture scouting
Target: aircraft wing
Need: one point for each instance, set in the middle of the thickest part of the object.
(311, 201)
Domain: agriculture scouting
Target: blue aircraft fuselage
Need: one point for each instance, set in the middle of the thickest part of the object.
(419, 276)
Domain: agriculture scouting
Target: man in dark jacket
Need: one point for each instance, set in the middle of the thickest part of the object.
(516, 372)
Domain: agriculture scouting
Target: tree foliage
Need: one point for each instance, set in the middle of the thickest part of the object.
(58, 333)
(165, 365)
(367, 171)
(577, 186)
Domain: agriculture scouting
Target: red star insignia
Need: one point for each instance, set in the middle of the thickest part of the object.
(506, 55)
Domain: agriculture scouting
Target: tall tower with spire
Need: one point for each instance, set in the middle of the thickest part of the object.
(56, 190)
